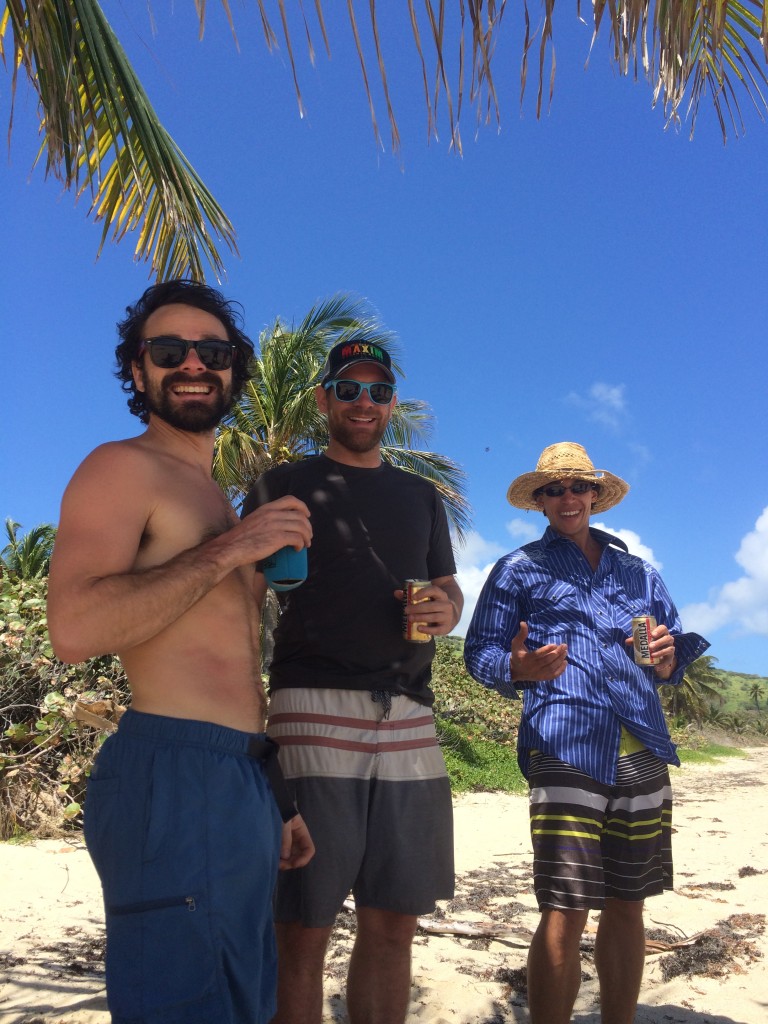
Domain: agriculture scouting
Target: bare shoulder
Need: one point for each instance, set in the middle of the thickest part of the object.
(115, 459)
(105, 509)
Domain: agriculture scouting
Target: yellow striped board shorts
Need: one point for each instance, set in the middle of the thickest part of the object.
(369, 780)
(593, 842)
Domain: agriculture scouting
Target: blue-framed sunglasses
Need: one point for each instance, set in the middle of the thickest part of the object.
(350, 390)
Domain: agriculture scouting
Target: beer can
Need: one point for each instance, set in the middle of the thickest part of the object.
(411, 631)
(642, 625)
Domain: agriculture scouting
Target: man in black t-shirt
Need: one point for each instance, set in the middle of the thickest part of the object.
(350, 702)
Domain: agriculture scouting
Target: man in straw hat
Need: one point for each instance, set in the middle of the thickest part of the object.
(555, 620)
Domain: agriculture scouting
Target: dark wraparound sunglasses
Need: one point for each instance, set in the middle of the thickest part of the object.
(350, 391)
(557, 490)
(168, 352)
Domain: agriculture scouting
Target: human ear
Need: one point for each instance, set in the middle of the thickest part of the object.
(137, 370)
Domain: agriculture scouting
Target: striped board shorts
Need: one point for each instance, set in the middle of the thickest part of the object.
(370, 782)
(593, 842)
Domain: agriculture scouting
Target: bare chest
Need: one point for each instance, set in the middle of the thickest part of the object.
(187, 509)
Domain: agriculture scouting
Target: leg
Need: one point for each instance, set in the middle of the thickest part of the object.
(300, 957)
(620, 958)
(379, 982)
(638, 863)
(554, 966)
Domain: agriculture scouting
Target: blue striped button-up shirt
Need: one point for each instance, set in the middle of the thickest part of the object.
(578, 717)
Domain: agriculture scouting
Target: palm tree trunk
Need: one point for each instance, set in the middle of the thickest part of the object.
(269, 621)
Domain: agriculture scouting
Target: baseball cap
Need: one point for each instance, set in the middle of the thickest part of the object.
(347, 353)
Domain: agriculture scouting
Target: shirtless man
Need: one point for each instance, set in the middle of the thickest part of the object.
(151, 562)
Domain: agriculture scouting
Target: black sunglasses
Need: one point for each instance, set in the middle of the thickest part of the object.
(350, 391)
(558, 490)
(168, 353)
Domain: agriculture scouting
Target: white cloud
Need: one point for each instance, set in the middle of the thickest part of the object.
(473, 563)
(522, 531)
(742, 603)
(603, 403)
(633, 542)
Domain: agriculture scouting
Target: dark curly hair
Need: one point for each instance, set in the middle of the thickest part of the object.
(188, 293)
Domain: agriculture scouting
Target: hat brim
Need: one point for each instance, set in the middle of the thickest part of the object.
(334, 374)
(612, 488)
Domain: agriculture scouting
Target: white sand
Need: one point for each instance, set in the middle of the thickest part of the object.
(51, 926)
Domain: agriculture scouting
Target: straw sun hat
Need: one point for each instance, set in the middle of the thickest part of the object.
(566, 460)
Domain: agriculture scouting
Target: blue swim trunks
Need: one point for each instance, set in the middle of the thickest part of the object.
(184, 832)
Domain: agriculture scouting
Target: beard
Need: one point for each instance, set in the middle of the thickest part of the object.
(355, 440)
(193, 417)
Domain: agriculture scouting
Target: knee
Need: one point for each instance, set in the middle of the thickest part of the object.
(384, 928)
(622, 914)
(301, 947)
(563, 927)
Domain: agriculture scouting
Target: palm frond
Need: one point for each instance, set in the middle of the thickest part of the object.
(29, 556)
(697, 48)
(101, 135)
(449, 479)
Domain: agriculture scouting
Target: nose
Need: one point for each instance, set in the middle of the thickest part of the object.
(364, 398)
(192, 362)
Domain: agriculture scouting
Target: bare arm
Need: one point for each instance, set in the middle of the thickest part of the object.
(101, 598)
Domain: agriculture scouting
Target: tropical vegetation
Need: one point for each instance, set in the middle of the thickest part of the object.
(100, 134)
(53, 717)
(28, 556)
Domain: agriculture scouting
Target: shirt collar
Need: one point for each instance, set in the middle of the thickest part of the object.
(603, 539)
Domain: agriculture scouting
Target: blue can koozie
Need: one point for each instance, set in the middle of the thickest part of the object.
(286, 568)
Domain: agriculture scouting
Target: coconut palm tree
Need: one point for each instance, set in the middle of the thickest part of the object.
(756, 693)
(100, 133)
(276, 419)
(27, 557)
(699, 689)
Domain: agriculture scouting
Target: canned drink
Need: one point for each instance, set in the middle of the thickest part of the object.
(411, 631)
(642, 625)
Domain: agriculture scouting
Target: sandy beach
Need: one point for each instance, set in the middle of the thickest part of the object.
(51, 931)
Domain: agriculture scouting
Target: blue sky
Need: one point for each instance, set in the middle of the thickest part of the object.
(588, 276)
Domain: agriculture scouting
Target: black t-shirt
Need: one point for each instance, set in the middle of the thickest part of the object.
(372, 530)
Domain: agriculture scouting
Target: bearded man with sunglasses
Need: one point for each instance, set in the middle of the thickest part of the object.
(184, 803)
(554, 619)
(350, 701)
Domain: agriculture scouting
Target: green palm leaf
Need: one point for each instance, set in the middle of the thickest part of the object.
(101, 134)
(27, 557)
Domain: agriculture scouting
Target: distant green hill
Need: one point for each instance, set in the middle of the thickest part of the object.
(743, 694)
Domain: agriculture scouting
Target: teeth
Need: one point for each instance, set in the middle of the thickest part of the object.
(191, 389)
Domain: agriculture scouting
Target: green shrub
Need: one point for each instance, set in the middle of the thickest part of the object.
(481, 713)
(45, 752)
(476, 727)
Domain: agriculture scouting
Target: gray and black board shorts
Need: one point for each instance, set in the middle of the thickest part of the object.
(369, 780)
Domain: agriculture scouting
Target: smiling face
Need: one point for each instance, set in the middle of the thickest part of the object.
(189, 397)
(356, 428)
(569, 514)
